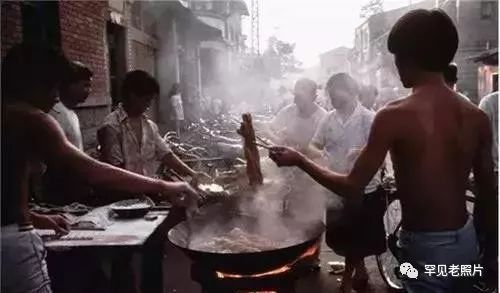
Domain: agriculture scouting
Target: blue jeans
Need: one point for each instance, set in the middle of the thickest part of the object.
(24, 269)
(457, 247)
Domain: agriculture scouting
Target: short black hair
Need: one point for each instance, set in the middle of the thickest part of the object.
(428, 38)
(175, 89)
(310, 84)
(77, 72)
(28, 67)
(345, 81)
(450, 74)
(140, 83)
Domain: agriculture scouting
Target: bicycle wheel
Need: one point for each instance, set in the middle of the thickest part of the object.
(387, 263)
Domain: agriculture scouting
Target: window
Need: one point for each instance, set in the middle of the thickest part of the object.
(41, 22)
(487, 8)
(136, 15)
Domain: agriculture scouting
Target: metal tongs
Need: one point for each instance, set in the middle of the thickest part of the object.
(263, 143)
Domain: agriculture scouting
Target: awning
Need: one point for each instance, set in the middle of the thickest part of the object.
(186, 19)
(195, 27)
(241, 6)
(489, 57)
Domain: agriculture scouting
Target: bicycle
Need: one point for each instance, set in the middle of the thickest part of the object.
(387, 262)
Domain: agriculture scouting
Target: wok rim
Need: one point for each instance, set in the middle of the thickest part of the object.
(320, 228)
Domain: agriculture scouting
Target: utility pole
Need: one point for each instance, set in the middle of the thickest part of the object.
(255, 33)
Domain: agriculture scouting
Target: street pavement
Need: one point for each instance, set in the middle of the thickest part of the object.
(178, 280)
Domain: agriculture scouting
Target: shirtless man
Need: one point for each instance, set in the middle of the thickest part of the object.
(435, 139)
(30, 77)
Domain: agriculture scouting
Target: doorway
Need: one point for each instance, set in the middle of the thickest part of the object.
(117, 59)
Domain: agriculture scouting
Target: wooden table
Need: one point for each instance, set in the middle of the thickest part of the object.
(119, 241)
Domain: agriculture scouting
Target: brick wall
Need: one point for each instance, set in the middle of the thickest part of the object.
(11, 26)
(83, 38)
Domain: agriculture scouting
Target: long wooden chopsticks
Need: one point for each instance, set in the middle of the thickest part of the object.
(267, 147)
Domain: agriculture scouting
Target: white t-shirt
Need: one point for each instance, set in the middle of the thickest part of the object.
(489, 104)
(177, 106)
(69, 122)
(295, 130)
(340, 139)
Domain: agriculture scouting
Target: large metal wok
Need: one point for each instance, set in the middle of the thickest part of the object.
(223, 217)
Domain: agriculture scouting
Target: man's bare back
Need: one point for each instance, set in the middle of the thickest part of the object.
(437, 136)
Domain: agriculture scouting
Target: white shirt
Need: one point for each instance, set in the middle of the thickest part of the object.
(69, 122)
(118, 137)
(489, 104)
(295, 130)
(177, 106)
(341, 138)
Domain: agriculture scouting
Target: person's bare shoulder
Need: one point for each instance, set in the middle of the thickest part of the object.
(395, 108)
(471, 112)
(27, 119)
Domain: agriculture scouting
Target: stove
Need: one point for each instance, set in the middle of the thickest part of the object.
(280, 280)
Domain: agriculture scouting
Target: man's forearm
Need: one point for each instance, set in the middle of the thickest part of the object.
(338, 183)
(172, 161)
(114, 178)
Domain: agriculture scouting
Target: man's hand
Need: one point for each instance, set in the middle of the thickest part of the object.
(183, 194)
(55, 222)
(285, 156)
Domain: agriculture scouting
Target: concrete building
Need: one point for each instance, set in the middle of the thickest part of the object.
(477, 23)
(371, 62)
(220, 59)
(487, 79)
(334, 61)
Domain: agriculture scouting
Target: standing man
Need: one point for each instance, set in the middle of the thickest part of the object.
(57, 187)
(450, 75)
(489, 104)
(177, 107)
(296, 124)
(74, 90)
(435, 139)
(30, 79)
(355, 231)
(130, 140)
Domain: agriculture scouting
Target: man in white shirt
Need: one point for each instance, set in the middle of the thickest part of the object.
(57, 187)
(73, 91)
(489, 104)
(450, 75)
(177, 107)
(354, 231)
(295, 124)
